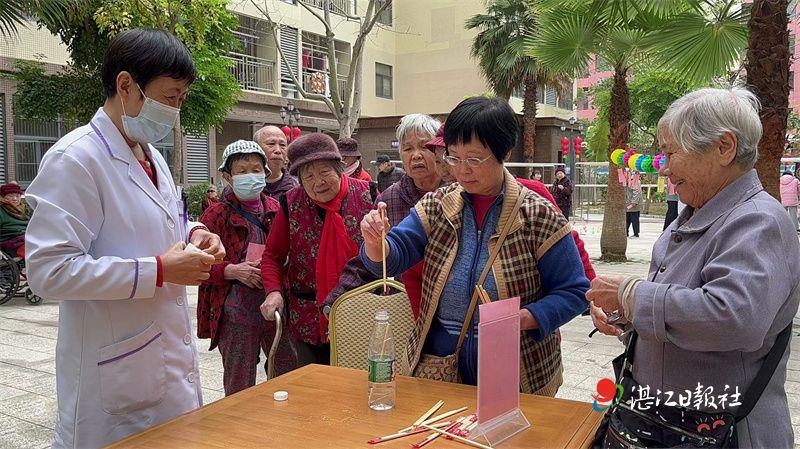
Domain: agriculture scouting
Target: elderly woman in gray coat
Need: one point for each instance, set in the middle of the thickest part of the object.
(723, 277)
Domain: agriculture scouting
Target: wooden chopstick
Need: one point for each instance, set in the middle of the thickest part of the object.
(383, 254)
(483, 294)
(429, 413)
(457, 438)
(438, 418)
(414, 431)
(434, 436)
(443, 416)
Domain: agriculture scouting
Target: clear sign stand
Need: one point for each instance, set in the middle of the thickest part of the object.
(499, 416)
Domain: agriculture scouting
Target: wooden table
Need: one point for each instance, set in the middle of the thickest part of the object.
(327, 408)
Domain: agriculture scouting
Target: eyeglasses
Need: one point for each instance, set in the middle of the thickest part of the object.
(471, 161)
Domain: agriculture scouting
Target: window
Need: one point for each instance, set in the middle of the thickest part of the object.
(565, 101)
(791, 80)
(550, 96)
(385, 17)
(383, 80)
(32, 139)
(583, 98)
(315, 73)
(792, 43)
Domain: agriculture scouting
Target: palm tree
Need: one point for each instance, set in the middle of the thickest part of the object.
(14, 13)
(768, 62)
(500, 49)
(696, 39)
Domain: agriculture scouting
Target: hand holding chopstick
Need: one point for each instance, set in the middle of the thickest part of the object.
(383, 252)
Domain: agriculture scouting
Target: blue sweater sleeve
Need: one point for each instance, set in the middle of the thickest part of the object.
(564, 286)
(407, 243)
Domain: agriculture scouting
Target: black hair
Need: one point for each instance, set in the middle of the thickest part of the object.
(490, 120)
(239, 157)
(146, 54)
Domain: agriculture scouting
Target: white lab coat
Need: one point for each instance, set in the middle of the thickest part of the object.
(126, 358)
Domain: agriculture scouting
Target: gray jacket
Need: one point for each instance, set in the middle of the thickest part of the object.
(724, 284)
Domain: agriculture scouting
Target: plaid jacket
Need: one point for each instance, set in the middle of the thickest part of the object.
(536, 228)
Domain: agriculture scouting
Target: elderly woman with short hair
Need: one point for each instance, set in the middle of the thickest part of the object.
(317, 230)
(455, 228)
(723, 279)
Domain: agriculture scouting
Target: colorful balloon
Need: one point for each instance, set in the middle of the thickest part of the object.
(616, 154)
(640, 163)
(633, 159)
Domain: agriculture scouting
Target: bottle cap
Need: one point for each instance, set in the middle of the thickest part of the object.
(280, 395)
(382, 315)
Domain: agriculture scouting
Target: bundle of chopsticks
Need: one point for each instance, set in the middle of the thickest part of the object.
(457, 430)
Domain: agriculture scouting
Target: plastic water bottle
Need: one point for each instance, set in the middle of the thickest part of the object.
(382, 365)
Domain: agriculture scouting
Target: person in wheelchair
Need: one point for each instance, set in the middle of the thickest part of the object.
(14, 216)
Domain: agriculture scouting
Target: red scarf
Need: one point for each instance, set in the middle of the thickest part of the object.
(335, 247)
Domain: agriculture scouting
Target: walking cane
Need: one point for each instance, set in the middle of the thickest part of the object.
(274, 348)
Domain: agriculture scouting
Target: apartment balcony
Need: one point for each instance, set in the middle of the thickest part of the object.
(341, 7)
(318, 82)
(253, 73)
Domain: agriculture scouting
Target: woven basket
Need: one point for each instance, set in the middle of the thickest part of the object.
(351, 321)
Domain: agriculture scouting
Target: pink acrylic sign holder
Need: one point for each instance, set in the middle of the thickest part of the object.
(499, 416)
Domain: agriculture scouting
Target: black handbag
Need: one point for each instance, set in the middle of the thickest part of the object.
(662, 426)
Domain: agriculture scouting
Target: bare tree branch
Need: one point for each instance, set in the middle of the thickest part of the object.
(333, 69)
(344, 13)
(311, 96)
(325, 23)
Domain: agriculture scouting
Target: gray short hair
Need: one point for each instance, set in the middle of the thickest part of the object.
(698, 119)
(417, 124)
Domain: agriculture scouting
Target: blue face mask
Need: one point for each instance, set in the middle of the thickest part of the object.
(154, 122)
(248, 187)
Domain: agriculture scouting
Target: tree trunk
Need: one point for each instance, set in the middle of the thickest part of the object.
(529, 119)
(176, 162)
(613, 241)
(767, 70)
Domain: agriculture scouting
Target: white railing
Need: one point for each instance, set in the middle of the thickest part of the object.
(253, 73)
(341, 7)
(318, 82)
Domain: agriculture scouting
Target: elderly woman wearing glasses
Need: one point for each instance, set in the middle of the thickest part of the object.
(455, 228)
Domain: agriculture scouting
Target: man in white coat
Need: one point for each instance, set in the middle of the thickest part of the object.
(108, 239)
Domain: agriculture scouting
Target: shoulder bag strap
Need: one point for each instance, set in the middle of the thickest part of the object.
(249, 217)
(771, 361)
(492, 255)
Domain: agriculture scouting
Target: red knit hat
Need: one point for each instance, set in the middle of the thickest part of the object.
(8, 189)
(437, 141)
(348, 147)
(309, 148)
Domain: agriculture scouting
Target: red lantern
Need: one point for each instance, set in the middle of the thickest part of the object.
(578, 146)
(286, 132)
(296, 133)
(564, 146)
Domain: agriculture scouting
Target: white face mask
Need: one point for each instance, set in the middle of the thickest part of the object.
(154, 122)
(248, 187)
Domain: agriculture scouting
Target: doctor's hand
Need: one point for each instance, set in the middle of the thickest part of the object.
(209, 243)
(373, 226)
(248, 273)
(185, 267)
(273, 302)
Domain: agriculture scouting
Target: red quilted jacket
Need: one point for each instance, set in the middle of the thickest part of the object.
(231, 228)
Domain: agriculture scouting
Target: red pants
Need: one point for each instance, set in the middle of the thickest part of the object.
(241, 346)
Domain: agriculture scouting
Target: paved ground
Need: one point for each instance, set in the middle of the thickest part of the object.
(28, 341)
